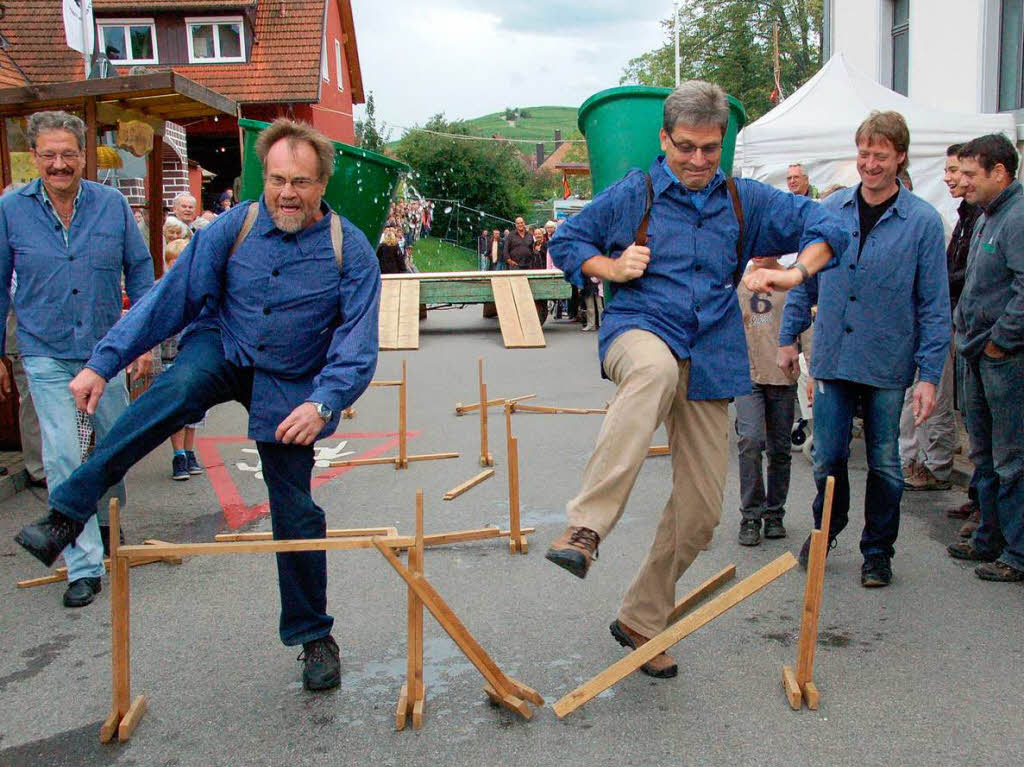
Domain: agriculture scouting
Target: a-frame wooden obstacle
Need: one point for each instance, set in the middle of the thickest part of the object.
(400, 461)
(799, 683)
(676, 631)
(125, 713)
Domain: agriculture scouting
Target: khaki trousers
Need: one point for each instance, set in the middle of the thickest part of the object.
(652, 390)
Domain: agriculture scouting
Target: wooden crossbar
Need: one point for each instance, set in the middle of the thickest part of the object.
(258, 547)
(518, 407)
(60, 574)
(504, 690)
(702, 592)
(472, 482)
(461, 409)
(677, 631)
(353, 532)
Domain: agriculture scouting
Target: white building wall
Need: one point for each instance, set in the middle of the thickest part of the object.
(856, 24)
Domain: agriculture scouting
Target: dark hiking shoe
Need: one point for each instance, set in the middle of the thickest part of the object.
(805, 551)
(192, 463)
(46, 538)
(773, 527)
(179, 468)
(574, 550)
(966, 550)
(962, 512)
(876, 571)
(967, 528)
(81, 592)
(660, 666)
(999, 571)
(925, 480)
(322, 665)
(750, 532)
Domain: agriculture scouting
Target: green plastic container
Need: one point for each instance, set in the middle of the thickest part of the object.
(622, 127)
(361, 188)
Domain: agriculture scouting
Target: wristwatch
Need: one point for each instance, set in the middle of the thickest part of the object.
(323, 411)
(803, 270)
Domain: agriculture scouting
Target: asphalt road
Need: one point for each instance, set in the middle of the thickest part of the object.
(929, 671)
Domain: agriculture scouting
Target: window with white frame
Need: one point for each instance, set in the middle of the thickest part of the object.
(215, 40)
(1011, 54)
(901, 46)
(128, 41)
(337, 64)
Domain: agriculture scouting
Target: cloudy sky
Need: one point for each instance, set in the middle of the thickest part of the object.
(468, 58)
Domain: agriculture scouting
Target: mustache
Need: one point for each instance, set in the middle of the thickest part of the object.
(60, 173)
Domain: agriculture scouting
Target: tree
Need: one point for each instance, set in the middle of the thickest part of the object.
(487, 176)
(367, 134)
(730, 42)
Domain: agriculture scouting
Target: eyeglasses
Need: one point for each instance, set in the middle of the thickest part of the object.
(687, 149)
(66, 156)
(299, 184)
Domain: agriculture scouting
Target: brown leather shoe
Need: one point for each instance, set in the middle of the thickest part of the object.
(968, 527)
(574, 550)
(925, 480)
(962, 512)
(660, 666)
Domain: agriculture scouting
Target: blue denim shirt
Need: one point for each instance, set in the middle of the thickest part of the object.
(69, 291)
(686, 297)
(882, 314)
(281, 306)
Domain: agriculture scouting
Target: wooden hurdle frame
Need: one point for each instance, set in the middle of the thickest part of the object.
(412, 697)
(486, 459)
(677, 631)
(400, 461)
(60, 574)
(799, 684)
(517, 543)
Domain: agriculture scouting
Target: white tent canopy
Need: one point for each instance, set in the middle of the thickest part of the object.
(815, 126)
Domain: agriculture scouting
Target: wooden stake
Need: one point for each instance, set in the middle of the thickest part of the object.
(402, 461)
(700, 593)
(660, 643)
(458, 490)
(486, 459)
(516, 541)
(505, 691)
(412, 693)
(657, 450)
(799, 684)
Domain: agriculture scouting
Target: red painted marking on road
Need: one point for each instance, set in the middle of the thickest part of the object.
(236, 511)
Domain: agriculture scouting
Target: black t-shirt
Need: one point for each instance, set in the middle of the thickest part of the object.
(870, 214)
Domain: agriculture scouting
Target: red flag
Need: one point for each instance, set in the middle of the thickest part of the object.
(566, 191)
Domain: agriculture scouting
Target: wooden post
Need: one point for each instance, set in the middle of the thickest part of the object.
(124, 714)
(411, 698)
(486, 459)
(402, 462)
(799, 685)
(5, 154)
(91, 129)
(516, 540)
(155, 196)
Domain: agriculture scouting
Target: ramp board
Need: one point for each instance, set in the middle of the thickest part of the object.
(517, 313)
(399, 315)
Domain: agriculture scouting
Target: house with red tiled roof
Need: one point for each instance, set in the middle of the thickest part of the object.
(294, 58)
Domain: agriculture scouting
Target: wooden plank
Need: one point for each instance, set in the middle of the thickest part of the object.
(791, 688)
(674, 633)
(515, 539)
(461, 409)
(462, 536)
(523, 408)
(60, 574)
(387, 318)
(700, 593)
(377, 384)
(120, 637)
(472, 482)
(430, 457)
(131, 719)
(658, 450)
(363, 461)
(813, 591)
(408, 328)
(260, 547)
(508, 317)
(526, 308)
(811, 696)
(352, 532)
(403, 708)
(402, 461)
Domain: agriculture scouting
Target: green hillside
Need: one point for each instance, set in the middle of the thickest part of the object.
(540, 125)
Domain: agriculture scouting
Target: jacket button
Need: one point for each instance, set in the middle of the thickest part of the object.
(266, 311)
(74, 291)
(275, 273)
(697, 268)
(853, 298)
(260, 347)
(71, 258)
(849, 330)
(853, 267)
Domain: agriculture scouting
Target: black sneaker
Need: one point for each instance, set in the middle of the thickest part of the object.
(876, 571)
(805, 551)
(192, 463)
(750, 532)
(179, 468)
(773, 527)
(46, 538)
(81, 592)
(966, 550)
(322, 669)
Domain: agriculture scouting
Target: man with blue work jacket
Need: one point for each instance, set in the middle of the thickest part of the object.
(282, 298)
(883, 313)
(672, 338)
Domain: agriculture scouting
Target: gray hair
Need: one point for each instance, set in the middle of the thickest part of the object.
(799, 165)
(182, 196)
(696, 102)
(44, 121)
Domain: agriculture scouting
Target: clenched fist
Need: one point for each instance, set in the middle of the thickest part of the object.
(632, 263)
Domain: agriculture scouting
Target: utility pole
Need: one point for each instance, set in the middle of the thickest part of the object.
(675, 29)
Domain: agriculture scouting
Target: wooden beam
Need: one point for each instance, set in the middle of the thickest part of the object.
(461, 409)
(470, 483)
(677, 631)
(658, 450)
(91, 130)
(504, 275)
(353, 532)
(702, 592)
(60, 574)
(258, 547)
(155, 194)
(5, 154)
(518, 407)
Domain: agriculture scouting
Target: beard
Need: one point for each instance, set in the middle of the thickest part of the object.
(289, 222)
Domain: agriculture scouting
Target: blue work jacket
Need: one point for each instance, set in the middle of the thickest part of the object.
(686, 296)
(884, 313)
(282, 307)
(69, 294)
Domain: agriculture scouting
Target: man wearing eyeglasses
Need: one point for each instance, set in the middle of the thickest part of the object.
(281, 300)
(70, 241)
(672, 338)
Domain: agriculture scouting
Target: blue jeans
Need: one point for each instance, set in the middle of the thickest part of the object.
(200, 379)
(834, 406)
(995, 421)
(48, 380)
